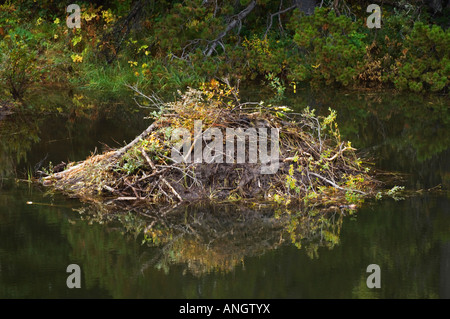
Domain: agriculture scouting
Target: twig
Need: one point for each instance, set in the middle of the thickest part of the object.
(340, 152)
(108, 188)
(336, 185)
(172, 189)
(129, 198)
(154, 98)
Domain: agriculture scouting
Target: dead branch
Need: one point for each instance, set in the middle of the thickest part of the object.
(277, 14)
(239, 17)
(154, 99)
(335, 185)
(140, 137)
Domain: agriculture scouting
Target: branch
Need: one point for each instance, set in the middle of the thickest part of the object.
(230, 26)
(277, 14)
(335, 7)
(140, 137)
(396, 4)
(112, 158)
(123, 28)
(154, 98)
(336, 185)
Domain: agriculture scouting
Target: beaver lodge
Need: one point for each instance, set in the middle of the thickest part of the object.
(188, 154)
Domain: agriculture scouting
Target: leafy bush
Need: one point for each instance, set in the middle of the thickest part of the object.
(167, 46)
(331, 45)
(425, 63)
(18, 66)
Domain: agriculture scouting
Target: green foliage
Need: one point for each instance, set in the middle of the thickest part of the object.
(425, 63)
(394, 192)
(165, 46)
(174, 32)
(18, 65)
(331, 45)
(353, 198)
(265, 55)
(276, 84)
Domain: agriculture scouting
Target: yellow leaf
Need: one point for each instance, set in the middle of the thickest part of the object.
(76, 58)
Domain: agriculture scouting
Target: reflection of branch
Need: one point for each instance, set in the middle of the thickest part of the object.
(215, 237)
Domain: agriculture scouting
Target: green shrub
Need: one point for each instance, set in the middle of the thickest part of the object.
(425, 63)
(18, 65)
(331, 45)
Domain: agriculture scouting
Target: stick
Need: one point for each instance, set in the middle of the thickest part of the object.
(116, 154)
(144, 134)
(172, 189)
(149, 161)
(129, 198)
(336, 185)
(147, 158)
(340, 152)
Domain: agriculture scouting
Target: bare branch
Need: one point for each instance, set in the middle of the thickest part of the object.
(154, 99)
(277, 14)
(335, 185)
(230, 26)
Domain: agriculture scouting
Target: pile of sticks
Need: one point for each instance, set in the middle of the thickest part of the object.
(311, 161)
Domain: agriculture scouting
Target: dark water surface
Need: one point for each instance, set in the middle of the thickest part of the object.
(408, 238)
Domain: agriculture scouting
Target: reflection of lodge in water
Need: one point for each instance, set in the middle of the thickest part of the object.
(209, 238)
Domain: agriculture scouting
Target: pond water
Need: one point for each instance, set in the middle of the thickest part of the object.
(229, 251)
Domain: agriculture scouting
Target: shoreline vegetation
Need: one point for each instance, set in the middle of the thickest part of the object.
(167, 46)
(315, 166)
